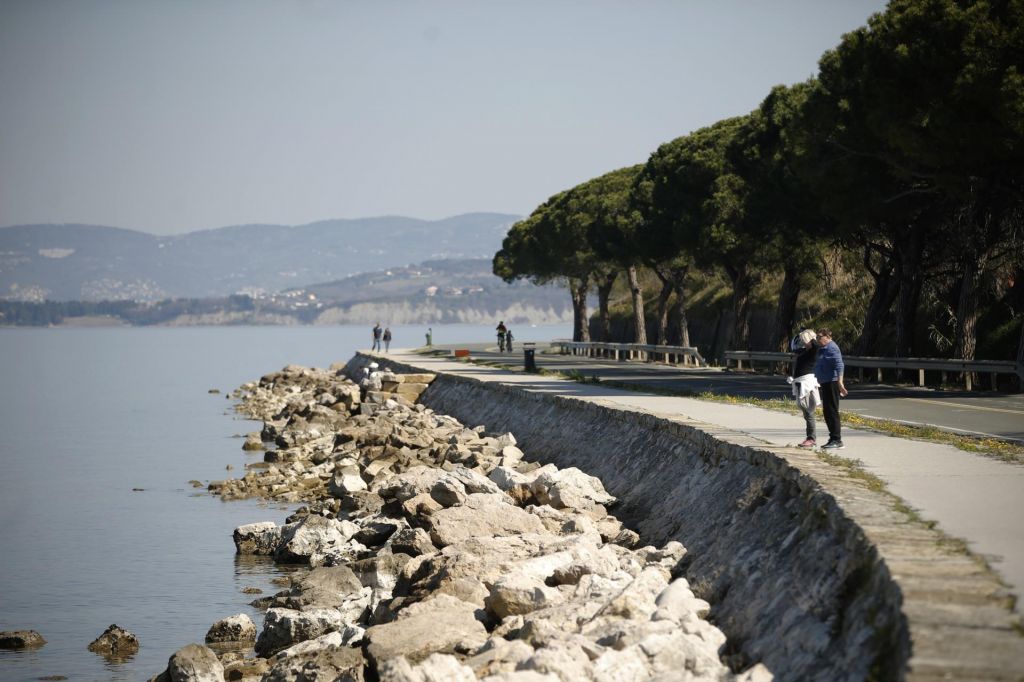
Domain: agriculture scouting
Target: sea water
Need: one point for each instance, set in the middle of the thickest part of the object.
(101, 430)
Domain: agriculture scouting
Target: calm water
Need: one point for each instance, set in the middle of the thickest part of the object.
(86, 415)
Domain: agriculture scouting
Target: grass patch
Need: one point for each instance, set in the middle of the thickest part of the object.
(854, 469)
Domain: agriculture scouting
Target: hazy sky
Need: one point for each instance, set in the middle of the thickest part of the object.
(181, 115)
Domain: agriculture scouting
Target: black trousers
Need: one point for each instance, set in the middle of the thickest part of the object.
(830, 407)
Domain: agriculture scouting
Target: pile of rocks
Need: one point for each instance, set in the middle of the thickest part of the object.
(437, 552)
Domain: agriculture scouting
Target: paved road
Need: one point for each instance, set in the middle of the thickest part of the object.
(983, 413)
(972, 497)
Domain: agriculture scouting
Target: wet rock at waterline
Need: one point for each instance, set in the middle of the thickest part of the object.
(193, 663)
(21, 639)
(237, 628)
(114, 643)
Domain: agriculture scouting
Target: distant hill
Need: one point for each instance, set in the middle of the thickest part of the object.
(434, 292)
(93, 263)
(446, 291)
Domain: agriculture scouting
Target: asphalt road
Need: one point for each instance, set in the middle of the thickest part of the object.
(982, 413)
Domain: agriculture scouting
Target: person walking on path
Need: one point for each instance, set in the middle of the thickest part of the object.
(376, 337)
(501, 329)
(805, 384)
(828, 370)
(387, 339)
(508, 340)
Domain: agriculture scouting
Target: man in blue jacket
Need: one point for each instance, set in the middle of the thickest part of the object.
(828, 370)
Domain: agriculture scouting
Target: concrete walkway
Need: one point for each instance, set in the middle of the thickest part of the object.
(969, 496)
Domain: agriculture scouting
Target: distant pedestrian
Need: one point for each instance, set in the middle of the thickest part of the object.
(502, 330)
(828, 369)
(805, 384)
(508, 340)
(387, 339)
(430, 336)
(377, 331)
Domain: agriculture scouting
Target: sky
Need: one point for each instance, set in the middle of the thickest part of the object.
(175, 116)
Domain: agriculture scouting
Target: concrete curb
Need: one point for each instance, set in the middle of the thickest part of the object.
(807, 567)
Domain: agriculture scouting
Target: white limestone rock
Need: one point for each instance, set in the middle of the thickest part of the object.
(448, 492)
(570, 488)
(628, 665)
(516, 594)
(481, 515)
(567, 660)
(284, 627)
(312, 535)
(327, 658)
(412, 541)
(506, 478)
(257, 538)
(441, 624)
(499, 655)
(417, 480)
(237, 628)
(434, 668)
(677, 602)
(195, 663)
(327, 586)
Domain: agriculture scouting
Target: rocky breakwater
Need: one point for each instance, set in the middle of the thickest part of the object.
(440, 552)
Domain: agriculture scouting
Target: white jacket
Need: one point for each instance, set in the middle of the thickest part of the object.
(805, 390)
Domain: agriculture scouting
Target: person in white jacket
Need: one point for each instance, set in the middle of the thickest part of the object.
(805, 385)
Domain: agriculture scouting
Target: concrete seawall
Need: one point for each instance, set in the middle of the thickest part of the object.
(808, 569)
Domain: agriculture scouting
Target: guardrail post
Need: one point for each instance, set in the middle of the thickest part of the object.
(995, 381)
(967, 380)
(920, 377)
(879, 375)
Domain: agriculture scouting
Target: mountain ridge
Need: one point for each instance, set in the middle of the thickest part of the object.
(78, 261)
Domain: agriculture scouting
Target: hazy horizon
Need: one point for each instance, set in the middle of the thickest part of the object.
(264, 224)
(169, 118)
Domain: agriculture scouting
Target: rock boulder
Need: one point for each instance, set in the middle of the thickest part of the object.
(442, 624)
(21, 639)
(237, 628)
(481, 515)
(312, 535)
(115, 642)
(257, 538)
(195, 663)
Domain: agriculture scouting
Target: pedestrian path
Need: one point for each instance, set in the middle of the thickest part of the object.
(971, 497)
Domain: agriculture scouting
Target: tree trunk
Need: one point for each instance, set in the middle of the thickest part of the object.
(678, 276)
(663, 296)
(742, 284)
(786, 310)
(604, 318)
(716, 340)
(909, 252)
(886, 288)
(967, 306)
(679, 313)
(580, 319)
(1020, 359)
(640, 324)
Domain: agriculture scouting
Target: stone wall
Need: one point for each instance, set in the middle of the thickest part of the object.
(793, 554)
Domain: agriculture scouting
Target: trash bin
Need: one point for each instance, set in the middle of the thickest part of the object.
(529, 363)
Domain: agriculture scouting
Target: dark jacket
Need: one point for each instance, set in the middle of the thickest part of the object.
(803, 363)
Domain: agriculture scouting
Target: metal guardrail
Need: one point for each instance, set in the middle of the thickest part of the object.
(862, 362)
(687, 355)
